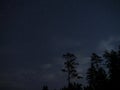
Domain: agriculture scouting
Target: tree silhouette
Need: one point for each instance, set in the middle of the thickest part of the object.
(45, 87)
(96, 75)
(70, 67)
(103, 73)
(74, 86)
(91, 77)
(113, 64)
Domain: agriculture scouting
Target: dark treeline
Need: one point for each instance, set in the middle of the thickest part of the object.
(103, 73)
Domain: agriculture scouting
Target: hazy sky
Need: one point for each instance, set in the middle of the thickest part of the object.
(35, 33)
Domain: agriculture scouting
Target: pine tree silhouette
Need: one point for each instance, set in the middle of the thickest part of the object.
(96, 75)
(45, 87)
(70, 68)
(113, 63)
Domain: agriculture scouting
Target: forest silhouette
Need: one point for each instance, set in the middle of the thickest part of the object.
(103, 73)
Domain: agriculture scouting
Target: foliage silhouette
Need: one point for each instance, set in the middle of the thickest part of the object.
(73, 86)
(103, 73)
(113, 64)
(96, 75)
(70, 67)
(98, 78)
(45, 87)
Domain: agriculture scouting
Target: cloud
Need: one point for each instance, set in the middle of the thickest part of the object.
(49, 77)
(47, 66)
(109, 43)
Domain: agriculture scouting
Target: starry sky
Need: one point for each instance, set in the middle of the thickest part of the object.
(35, 33)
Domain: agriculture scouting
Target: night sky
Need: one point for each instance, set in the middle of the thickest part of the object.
(35, 33)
